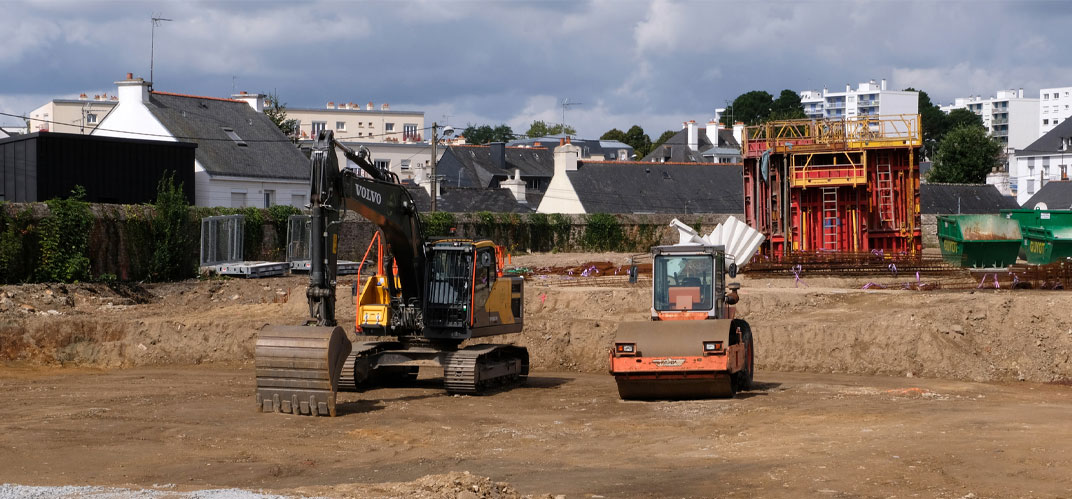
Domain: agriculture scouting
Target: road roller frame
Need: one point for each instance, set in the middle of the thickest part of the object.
(693, 346)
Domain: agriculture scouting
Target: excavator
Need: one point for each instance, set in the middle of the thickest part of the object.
(693, 346)
(431, 296)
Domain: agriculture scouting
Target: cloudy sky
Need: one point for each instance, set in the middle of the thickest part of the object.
(654, 63)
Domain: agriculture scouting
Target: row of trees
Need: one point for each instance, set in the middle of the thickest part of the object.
(483, 134)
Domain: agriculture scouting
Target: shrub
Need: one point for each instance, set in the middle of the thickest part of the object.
(170, 230)
(603, 232)
(65, 239)
(561, 227)
(19, 247)
(437, 223)
(541, 237)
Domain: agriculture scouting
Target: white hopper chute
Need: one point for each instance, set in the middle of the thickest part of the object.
(739, 240)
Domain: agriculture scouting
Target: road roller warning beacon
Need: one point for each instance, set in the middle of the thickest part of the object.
(692, 346)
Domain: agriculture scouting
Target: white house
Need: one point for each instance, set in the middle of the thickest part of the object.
(1046, 159)
(242, 158)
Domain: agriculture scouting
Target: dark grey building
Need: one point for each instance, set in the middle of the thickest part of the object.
(46, 165)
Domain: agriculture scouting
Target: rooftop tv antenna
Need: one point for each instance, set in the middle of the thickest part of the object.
(152, 46)
(566, 104)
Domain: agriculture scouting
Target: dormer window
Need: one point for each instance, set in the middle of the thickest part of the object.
(234, 136)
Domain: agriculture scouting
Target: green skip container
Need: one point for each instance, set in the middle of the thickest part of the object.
(1047, 244)
(1038, 218)
(979, 241)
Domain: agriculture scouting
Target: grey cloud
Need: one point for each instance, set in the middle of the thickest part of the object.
(651, 63)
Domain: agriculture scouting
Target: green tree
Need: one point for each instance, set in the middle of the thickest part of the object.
(485, 133)
(663, 138)
(932, 121)
(751, 108)
(962, 117)
(638, 140)
(277, 112)
(965, 155)
(541, 129)
(787, 106)
(613, 134)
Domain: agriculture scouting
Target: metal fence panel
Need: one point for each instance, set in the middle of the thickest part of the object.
(221, 239)
(298, 227)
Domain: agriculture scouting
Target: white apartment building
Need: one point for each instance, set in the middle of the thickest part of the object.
(867, 99)
(1055, 106)
(352, 122)
(408, 160)
(1007, 115)
(79, 115)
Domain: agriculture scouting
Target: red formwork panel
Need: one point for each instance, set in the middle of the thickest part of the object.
(879, 212)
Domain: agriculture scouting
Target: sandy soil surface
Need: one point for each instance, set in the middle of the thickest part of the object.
(565, 433)
(864, 392)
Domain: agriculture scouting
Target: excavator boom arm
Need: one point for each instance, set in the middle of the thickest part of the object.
(382, 200)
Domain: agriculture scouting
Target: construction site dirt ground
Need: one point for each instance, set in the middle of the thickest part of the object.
(860, 393)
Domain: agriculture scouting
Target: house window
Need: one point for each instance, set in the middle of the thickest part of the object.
(383, 164)
(1030, 186)
(297, 200)
(405, 164)
(238, 200)
(370, 124)
(1045, 122)
(319, 126)
(409, 131)
(388, 127)
(91, 118)
(269, 198)
(340, 125)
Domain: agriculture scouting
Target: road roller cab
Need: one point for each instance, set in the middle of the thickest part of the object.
(692, 346)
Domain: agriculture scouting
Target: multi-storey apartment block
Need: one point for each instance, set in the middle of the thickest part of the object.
(866, 99)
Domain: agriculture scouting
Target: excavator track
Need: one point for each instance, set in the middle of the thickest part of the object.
(477, 368)
(298, 368)
(356, 372)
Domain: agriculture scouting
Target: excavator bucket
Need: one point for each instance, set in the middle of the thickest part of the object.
(668, 360)
(298, 368)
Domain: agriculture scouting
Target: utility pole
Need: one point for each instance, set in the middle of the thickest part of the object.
(152, 47)
(435, 140)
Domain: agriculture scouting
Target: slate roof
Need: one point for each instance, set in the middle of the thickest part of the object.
(267, 153)
(1057, 194)
(607, 149)
(472, 199)
(638, 187)
(1049, 143)
(472, 166)
(676, 148)
(951, 199)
